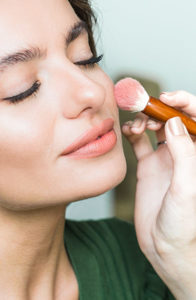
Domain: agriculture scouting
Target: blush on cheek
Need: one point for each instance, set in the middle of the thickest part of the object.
(20, 143)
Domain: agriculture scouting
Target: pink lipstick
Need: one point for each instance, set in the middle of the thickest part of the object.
(95, 142)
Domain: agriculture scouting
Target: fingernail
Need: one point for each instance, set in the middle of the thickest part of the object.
(151, 123)
(128, 123)
(176, 126)
(125, 127)
(165, 95)
(137, 123)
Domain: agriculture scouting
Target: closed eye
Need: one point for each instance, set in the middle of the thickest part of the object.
(32, 91)
(89, 63)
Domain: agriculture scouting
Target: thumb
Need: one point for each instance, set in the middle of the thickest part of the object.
(183, 152)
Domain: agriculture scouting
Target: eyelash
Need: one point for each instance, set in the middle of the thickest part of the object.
(90, 63)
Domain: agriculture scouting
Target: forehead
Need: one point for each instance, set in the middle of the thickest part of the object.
(33, 21)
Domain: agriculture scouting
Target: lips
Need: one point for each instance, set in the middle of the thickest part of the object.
(90, 136)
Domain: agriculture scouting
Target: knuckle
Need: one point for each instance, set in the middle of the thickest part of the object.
(187, 95)
(183, 188)
(182, 93)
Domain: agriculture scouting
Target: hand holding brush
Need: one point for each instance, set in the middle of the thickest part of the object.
(131, 96)
(165, 199)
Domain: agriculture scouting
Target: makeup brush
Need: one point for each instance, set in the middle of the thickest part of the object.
(130, 95)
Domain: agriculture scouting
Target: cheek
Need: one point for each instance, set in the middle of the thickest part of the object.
(22, 139)
(108, 86)
(111, 101)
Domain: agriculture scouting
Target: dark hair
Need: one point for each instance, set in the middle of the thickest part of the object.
(84, 11)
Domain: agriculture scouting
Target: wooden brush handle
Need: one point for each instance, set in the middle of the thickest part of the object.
(162, 112)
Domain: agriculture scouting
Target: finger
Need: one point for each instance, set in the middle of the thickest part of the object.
(140, 142)
(160, 134)
(143, 122)
(139, 124)
(181, 99)
(183, 152)
(158, 127)
(136, 126)
(153, 125)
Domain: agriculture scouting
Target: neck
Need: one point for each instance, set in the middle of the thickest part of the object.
(34, 263)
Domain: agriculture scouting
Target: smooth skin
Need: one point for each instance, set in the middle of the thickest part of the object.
(165, 209)
(36, 182)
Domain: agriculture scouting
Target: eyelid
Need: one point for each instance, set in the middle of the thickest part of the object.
(92, 60)
(26, 93)
(89, 63)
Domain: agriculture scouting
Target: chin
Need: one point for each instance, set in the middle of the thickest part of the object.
(86, 179)
(104, 177)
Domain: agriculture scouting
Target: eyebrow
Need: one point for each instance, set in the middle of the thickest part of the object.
(32, 53)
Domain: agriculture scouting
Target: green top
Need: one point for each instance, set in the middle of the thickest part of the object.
(108, 262)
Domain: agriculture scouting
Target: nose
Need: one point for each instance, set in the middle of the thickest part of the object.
(79, 92)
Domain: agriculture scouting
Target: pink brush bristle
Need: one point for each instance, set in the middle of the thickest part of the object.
(130, 95)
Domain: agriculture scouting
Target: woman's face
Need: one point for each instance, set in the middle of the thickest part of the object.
(71, 99)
